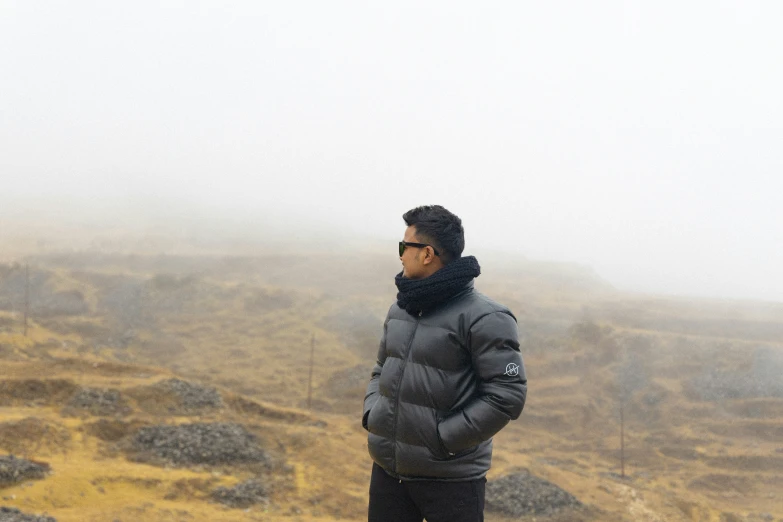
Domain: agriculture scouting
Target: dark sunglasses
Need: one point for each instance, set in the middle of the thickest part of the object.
(404, 244)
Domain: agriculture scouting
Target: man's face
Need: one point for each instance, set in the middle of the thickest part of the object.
(412, 266)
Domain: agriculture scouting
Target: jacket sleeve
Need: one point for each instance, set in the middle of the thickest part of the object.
(493, 341)
(371, 397)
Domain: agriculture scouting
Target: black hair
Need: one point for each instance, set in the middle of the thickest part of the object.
(440, 228)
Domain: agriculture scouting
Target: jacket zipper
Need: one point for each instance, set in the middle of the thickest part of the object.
(397, 401)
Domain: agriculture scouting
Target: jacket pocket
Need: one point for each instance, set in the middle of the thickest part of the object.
(366, 419)
(372, 416)
(463, 453)
(443, 453)
(439, 451)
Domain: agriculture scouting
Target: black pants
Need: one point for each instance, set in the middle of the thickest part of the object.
(435, 501)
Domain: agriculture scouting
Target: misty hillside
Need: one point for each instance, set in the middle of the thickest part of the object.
(123, 347)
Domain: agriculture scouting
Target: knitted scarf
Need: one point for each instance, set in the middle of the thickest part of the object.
(424, 295)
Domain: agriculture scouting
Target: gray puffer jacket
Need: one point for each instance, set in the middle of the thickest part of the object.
(444, 384)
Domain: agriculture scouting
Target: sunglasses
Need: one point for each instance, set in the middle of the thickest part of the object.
(405, 244)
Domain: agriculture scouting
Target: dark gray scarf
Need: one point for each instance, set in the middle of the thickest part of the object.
(424, 295)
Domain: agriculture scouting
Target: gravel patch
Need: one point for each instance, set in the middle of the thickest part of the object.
(98, 402)
(8, 514)
(198, 443)
(243, 495)
(192, 396)
(177, 397)
(13, 470)
(523, 494)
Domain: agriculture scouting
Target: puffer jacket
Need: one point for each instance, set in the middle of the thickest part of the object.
(444, 384)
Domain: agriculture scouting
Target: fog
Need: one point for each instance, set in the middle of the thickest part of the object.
(644, 140)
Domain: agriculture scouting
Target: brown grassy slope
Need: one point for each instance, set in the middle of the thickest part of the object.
(92, 479)
(246, 326)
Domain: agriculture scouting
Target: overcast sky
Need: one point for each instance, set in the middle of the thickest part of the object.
(642, 138)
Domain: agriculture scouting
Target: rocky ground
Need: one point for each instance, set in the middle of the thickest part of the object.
(98, 402)
(14, 515)
(523, 494)
(177, 397)
(13, 470)
(243, 495)
(197, 443)
(193, 397)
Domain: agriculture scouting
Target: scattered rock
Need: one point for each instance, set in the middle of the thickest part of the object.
(524, 494)
(14, 470)
(177, 397)
(243, 495)
(8, 514)
(192, 396)
(98, 402)
(198, 443)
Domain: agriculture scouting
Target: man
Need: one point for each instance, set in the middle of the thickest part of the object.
(449, 376)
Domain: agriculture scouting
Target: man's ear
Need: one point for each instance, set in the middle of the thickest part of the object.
(429, 256)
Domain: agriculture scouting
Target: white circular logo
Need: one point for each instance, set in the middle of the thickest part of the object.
(512, 369)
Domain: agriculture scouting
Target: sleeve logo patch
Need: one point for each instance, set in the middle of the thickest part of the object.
(512, 370)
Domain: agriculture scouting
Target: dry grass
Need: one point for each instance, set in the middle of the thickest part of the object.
(244, 326)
